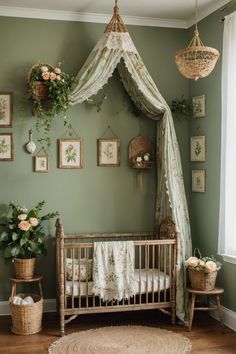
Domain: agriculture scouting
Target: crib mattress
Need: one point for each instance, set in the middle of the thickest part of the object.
(164, 282)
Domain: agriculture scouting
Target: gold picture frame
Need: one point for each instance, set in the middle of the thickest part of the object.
(6, 109)
(199, 106)
(199, 181)
(6, 147)
(70, 153)
(41, 164)
(198, 148)
(108, 152)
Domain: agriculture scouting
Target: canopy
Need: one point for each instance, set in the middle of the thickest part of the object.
(116, 49)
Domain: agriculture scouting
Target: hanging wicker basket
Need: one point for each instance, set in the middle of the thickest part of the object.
(24, 268)
(27, 319)
(39, 87)
(138, 147)
(201, 280)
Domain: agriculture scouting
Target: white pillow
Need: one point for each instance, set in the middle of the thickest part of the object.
(85, 272)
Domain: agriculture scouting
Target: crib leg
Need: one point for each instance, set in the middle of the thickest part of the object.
(173, 314)
(62, 324)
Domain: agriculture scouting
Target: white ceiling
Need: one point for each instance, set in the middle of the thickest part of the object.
(167, 13)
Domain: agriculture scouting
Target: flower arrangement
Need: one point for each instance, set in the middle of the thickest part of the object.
(49, 89)
(206, 264)
(202, 271)
(58, 85)
(23, 235)
(182, 107)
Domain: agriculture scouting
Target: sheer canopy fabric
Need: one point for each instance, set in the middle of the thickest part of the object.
(116, 49)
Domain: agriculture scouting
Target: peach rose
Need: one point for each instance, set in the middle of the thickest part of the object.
(46, 75)
(57, 70)
(210, 266)
(22, 217)
(192, 262)
(24, 225)
(53, 76)
(33, 221)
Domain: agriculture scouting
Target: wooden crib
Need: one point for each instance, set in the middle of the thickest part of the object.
(155, 272)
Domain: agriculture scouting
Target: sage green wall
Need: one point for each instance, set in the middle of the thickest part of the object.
(94, 198)
(205, 206)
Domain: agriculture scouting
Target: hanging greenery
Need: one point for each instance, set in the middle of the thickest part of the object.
(182, 107)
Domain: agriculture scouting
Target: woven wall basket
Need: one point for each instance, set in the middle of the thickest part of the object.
(24, 268)
(139, 146)
(201, 280)
(27, 319)
(41, 90)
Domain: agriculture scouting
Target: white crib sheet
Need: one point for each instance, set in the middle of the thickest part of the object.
(164, 283)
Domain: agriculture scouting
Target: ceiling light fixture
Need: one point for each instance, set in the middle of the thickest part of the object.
(196, 61)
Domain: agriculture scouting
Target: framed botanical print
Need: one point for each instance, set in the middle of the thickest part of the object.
(198, 148)
(198, 181)
(70, 153)
(108, 152)
(6, 147)
(5, 109)
(199, 106)
(41, 164)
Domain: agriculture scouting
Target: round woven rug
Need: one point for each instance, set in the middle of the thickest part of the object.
(122, 340)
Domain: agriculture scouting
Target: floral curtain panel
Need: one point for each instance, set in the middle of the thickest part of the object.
(116, 49)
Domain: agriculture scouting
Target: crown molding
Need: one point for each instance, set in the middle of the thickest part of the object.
(45, 14)
(206, 11)
(87, 17)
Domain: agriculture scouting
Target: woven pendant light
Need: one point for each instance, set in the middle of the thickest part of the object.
(196, 61)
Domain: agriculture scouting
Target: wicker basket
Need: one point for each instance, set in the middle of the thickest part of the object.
(24, 268)
(27, 319)
(41, 90)
(201, 280)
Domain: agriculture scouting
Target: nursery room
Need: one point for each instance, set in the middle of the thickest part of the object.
(117, 155)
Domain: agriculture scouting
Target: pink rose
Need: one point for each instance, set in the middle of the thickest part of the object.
(22, 217)
(53, 76)
(24, 225)
(192, 262)
(33, 221)
(46, 75)
(210, 267)
(57, 70)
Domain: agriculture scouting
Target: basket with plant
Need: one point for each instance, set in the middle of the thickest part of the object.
(202, 271)
(22, 238)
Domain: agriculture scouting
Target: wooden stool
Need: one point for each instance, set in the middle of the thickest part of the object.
(212, 293)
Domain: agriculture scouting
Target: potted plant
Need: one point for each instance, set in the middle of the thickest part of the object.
(23, 238)
(49, 90)
(202, 271)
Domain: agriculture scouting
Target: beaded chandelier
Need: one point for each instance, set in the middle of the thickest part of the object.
(196, 61)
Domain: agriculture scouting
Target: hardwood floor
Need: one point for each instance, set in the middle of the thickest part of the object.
(206, 335)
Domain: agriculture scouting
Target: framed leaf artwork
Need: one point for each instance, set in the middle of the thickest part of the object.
(108, 152)
(198, 148)
(6, 109)
(41, 164)
(198, 181)
(70, 153)
(6, 147)
(199, 106)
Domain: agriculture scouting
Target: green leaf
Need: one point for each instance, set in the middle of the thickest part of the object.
(7, 252)
(15, 251)
(14, 236)
(3, 236)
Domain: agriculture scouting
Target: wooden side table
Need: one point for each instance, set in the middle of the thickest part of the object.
(36, 278)
(212, 293)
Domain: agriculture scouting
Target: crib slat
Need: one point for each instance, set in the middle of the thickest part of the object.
(65, 297)
(159, 266)
(73, 276)
(170, 270)
(153, 267)
(147, 269)
(86, 257)
(79, 281)
(164, 273)
(140, 265)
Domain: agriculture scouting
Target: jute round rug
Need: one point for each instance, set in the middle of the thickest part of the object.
(122, 340)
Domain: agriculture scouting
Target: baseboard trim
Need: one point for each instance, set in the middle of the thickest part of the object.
(49, 305)
(229, 317)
